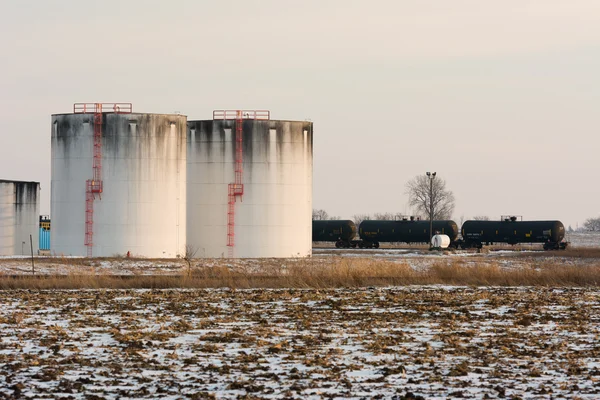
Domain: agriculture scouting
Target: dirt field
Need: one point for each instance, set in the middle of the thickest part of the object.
(432, 341)
(387, 323)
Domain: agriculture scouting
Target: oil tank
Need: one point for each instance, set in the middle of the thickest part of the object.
(512, 231)
(19, 213)
(249, 186)
(339, 231)
(118, 182)
(409, 231)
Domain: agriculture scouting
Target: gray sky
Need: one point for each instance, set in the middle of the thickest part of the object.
(501, 98)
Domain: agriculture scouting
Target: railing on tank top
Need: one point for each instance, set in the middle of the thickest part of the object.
(94, 108)
(246, 114)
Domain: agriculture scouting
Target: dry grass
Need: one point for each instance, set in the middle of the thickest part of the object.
(493, 275)
(334, 273)
(572, 252)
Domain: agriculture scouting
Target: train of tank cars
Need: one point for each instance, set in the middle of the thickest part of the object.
(473, 233)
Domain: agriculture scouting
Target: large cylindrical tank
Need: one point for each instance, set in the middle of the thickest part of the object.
(142, 207)
(19, 213)
(273, 217)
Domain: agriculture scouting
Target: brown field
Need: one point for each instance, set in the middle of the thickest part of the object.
(404, 343)
(393, 323)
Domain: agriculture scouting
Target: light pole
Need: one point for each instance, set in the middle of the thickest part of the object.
(431, 177)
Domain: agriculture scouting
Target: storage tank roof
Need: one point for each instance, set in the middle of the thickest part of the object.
(9, 181)
(132, 113)
(250, 119)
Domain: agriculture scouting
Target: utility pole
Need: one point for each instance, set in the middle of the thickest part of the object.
(431, 177)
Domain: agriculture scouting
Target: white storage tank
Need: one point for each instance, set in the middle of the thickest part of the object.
(19, 217)
(440, 241)
(118, 182)
(249, 186)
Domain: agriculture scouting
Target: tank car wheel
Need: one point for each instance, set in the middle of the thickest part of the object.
(338, 244)
(545, 246)
(376, 245)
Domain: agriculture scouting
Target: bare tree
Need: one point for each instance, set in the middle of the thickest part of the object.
(423, 192)
(388, 216)
(190, 253)
(358, 218)
(592, 224)
(319, 215)
(481, 218)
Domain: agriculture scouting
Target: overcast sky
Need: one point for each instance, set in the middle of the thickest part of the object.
(501, 98)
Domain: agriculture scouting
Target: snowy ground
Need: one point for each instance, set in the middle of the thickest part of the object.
(435, 342)
(417, 257)
(584, 239)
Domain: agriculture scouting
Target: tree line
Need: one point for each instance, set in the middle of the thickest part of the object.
(592, 224)
(427, 193)
(428, 197)
(319, 214)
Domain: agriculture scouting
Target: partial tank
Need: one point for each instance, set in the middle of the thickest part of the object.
(408, 231)
(249, 186)
(118, 182)
(19, 213)
(510, 230)
(342, 232)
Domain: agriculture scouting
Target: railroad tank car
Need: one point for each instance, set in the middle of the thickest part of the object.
(372, 232)
(339, 231)
(511, 231)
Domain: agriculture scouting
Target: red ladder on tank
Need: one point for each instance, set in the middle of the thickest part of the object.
(95, 185)
(236, 189)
